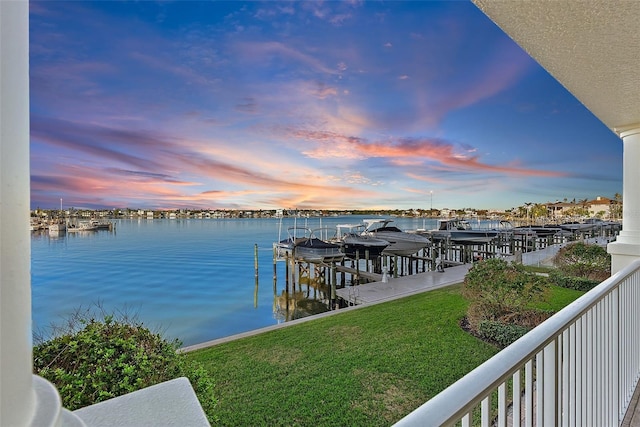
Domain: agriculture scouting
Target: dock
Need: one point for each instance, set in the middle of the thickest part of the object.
(402, 286)
(349, 282)
(373, 277)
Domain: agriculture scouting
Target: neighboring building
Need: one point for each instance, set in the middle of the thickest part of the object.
(558, 210)
(602, 207)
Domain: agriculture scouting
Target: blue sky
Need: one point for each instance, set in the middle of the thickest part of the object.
(333, 105)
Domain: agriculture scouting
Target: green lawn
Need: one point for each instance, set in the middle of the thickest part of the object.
(367, 367)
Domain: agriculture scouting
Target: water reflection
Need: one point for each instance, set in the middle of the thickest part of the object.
(312, 296)
(296, 305)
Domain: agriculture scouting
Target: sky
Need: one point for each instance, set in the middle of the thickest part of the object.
(300, 105)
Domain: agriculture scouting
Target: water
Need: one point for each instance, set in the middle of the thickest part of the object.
(191, 279)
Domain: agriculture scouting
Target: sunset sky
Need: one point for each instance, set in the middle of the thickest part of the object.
(321, 105)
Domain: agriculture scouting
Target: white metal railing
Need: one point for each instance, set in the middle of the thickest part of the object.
(579, 367)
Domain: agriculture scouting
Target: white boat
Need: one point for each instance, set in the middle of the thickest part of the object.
(356, 245)
(460, 230)
(35, 225)
(81, 226)
(603, 225)
(400, 242)
(576, 226)
(101, 224)
(538, 230)
(57, 227)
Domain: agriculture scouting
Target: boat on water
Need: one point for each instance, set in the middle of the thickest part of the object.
(35, 225)
(460, 230)
(601, 224)
(577, 226)
(101, 224)
(401, 243)
(81, 226)
(356, 245)
(57, 227)
(538, 230)
(303, 244)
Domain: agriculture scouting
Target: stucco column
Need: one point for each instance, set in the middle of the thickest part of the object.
(25, 399)
(16, 392)
(626, 248)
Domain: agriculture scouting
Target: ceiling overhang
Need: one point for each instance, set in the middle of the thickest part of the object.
(591, 47)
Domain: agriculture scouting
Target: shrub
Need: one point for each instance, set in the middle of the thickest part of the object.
(499, 291)
(501, 333)
(579, 259)
(99, 360)
(577, 283)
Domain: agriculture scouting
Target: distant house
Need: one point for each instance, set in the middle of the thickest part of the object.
(446, 213)
(601, 207)
(560, 209)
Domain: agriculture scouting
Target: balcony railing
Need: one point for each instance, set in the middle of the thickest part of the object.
(580, 367)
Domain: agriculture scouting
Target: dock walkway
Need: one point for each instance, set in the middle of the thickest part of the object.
(375, 277)
(402, 286)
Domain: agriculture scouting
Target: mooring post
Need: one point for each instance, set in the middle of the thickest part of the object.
(395, 266)
(334, 278)
(286, 272)
(255, 258)
(275, 269)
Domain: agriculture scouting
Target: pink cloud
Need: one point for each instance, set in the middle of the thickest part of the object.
(407, 151)
(162, 176)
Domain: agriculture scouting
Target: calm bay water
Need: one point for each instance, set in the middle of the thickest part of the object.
(192, 279)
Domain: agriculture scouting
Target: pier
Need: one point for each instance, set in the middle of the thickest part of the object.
(408, 285)
(349, 282)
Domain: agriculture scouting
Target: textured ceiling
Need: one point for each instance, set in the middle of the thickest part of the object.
(591, 47)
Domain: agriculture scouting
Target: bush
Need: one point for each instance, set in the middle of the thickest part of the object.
(579, 259)
(501, 333)
(501, 291)
(99, 360)
(576, 283)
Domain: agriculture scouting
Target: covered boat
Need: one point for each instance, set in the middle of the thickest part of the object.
(356, 245)
(460, 230)
(304, 245)
(400, 242)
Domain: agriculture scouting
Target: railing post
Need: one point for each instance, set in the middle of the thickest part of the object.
(615, 362)
(550, 386)
(528, 394)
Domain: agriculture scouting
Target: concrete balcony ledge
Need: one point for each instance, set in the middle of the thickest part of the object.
(48, 410)
(172, 403)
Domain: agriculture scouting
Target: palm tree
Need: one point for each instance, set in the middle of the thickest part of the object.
(616, 207)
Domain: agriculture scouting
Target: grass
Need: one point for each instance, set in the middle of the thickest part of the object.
(559, 298)
(367, 367)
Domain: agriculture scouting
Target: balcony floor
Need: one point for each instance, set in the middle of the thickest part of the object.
(632, 417)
